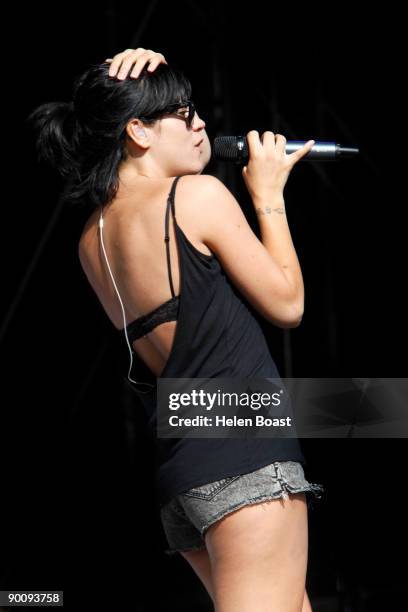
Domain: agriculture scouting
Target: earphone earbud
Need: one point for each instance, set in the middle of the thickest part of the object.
(140, 131)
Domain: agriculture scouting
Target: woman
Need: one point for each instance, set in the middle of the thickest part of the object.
(235, 509)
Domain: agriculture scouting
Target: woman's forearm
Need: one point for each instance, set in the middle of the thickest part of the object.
(277, 239)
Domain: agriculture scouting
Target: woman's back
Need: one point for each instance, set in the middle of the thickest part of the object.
(133, 233)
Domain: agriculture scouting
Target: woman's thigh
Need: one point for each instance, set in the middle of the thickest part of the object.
(258, 556)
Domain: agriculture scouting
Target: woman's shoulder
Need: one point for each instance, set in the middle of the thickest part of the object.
(140, 202)
(196, 188)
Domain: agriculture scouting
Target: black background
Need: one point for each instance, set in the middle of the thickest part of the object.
(77, 507)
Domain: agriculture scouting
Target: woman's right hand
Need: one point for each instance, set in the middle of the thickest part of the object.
(268, 164)
(135, 59)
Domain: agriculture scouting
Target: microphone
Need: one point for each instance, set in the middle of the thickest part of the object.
(235, 149)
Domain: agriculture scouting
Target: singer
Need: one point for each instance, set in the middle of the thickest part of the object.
(170, 254)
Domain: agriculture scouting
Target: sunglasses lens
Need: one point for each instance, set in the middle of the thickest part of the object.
(191, 113)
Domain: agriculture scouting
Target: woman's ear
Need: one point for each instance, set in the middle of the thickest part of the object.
(137, 133)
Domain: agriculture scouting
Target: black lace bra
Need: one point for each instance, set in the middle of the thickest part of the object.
(168, 311)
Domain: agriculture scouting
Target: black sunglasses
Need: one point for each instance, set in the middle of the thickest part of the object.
(172, 109)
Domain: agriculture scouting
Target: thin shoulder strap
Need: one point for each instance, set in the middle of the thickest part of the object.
(170, 202)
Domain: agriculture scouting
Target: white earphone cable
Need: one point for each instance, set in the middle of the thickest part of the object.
(101, 221)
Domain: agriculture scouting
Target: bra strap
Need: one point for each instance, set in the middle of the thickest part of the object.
(170, 202)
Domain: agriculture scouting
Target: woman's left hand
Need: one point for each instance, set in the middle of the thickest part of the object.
(121, 63)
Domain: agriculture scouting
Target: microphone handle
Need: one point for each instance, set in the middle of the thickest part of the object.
(321, 150)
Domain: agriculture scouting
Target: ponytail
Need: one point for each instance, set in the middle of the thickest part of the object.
(54, 125)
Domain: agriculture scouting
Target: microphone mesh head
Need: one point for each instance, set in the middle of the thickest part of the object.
(230, 148)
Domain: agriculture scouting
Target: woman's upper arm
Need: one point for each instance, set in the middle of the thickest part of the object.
(248, 264)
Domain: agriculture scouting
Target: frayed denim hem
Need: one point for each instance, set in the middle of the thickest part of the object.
(311, 488)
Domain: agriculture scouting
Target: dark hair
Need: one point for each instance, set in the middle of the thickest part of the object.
(85, 138)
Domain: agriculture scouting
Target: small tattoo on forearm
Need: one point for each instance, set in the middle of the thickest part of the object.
(268, 210)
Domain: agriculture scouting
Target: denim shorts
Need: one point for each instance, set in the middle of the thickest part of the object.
(187, 516)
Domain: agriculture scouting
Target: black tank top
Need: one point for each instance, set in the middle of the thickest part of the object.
(216, 336)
